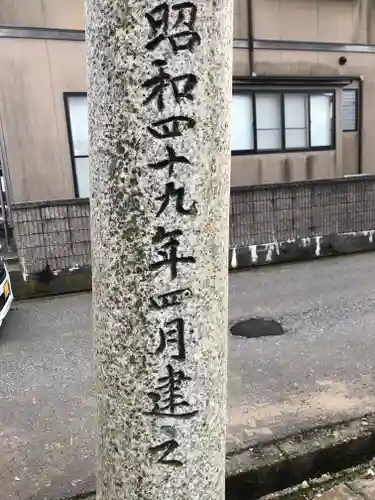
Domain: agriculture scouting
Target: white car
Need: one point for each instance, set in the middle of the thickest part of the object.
(6, 292)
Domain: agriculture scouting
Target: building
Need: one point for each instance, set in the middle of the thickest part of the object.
(295, 61)
(304, 78)
(303, 94)
(42, 61)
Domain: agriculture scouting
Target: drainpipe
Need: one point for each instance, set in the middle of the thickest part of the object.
(368, 14)
(360, 124)
(251, 36)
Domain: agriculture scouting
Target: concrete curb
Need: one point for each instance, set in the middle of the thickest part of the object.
(91, 495)
(241, 257)
(65, 282)
(276, 465)
(258, 470)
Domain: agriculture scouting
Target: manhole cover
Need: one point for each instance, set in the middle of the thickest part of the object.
(257, 327)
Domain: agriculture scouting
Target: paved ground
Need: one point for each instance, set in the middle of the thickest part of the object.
(322, 369)
(319, 372)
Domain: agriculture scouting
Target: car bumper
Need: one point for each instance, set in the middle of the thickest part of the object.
(5, 303)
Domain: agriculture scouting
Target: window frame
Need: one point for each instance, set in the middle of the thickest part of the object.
(308, 92)
(356, 127)
(66, 97)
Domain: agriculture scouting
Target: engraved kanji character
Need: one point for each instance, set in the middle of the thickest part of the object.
(169, 251)
(168, 447)
(170, 299)
(174, 335)
(167, 401)
(179, 194)
(170, 161)
(171, 127)
(181, 35)
(164, 80)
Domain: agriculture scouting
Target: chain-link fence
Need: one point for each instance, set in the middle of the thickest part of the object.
(58, 233)
(281, 212)
(53, 233)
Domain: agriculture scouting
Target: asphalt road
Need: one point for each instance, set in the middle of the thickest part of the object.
(319, 372)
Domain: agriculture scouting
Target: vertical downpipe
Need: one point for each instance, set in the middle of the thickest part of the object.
(250, 31)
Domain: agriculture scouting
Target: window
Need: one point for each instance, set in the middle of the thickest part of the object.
(242, 123)
(320, 120)
(282, 121)
(268, 124)
(350, 110)
(77, 117)
(296, 117)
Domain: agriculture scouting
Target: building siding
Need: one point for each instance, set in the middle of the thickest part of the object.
(35, 74)
(62, 14)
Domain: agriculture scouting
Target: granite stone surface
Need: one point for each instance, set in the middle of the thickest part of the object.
(159, 87)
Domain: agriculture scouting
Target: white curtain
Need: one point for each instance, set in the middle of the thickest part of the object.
(78, 114)
(268, 121)
(321, 120)
(242, 134)
(83, 176)
(296, 129)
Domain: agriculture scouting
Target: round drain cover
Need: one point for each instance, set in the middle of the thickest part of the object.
(257, 327)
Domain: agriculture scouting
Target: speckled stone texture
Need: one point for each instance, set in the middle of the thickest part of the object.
(161, 397)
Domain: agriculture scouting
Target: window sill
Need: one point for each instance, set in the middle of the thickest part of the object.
(281, 151)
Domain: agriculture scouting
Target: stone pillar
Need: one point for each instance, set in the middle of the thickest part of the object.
(159, 76)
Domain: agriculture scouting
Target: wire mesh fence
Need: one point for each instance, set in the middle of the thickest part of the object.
(281, 212)
(53, 233)
(58, 233)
